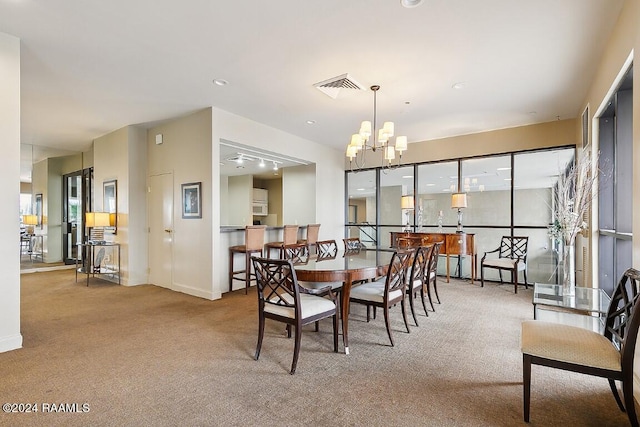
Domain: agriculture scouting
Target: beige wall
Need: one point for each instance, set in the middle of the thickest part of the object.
(299, 195)
(121, 156)
(186, 152)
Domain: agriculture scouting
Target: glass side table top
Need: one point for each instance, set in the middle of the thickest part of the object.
(586, 299)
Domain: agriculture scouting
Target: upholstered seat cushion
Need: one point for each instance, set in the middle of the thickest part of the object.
(503, 263)
(310, 305)
(569, 344)
(373, 291)
(416, 284)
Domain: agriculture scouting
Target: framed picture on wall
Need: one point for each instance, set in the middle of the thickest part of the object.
(191, 200)
(110, 204)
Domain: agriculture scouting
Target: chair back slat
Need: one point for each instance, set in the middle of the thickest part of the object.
(397, 273)
(622, 322)
(277, 283)
(327, 249)
(297, 253)
(435, 256)
(420, 264)
(514, 247)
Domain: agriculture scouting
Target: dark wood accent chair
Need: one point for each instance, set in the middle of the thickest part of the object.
(512, 257)
(580, 350)
(432, 275)
(387, 290)
(289, 237)
(352, 244)
(253, 244)
(297, 253)
(282, 299)
(326, 249)
(417, 279)
(313, 230)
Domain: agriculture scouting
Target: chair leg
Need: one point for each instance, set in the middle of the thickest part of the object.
(629, 401)
(526, 281)
(288, 331)
(500, 273)
(296, 349)
(317, 326)
(335, 331)
(413, 311)
(231, 271)
(429, 295)
(435, 289)
(424, 304)
(526, 385)
(514, 279)
(614, 390)
(388, 325)
(404, 315)
(247, 271)
(482, 276)
(260, 335)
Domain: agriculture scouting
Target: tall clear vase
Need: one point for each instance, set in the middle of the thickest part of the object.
(568, 270)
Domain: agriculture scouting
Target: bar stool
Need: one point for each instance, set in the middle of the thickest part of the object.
(312, 236)
(253, 244)
(289, 237)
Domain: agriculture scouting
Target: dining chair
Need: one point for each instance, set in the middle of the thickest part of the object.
(432, 276)
(297, 253)
(313, 230)
(326, 249)
(282, 299)
(387, 290)
(609, 355)
(512, 257)
(352, 244)
(289, 237)
(254, 242)
(417, 279)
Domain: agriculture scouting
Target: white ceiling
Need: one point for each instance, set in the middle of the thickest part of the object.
(91, 67)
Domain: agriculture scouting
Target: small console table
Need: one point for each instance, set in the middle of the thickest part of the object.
(100, 258)
(452, 244)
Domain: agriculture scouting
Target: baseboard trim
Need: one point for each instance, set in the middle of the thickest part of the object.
(11, 342)
(208, 294)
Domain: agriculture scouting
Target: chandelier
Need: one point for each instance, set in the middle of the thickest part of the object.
(371, 138)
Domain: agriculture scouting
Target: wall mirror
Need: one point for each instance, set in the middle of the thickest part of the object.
(110, 204)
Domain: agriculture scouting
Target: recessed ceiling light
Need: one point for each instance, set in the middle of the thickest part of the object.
(407, 176)
(360, 189)
(220, 82)
(431, 185)
(311, 122)
(459, 85)
(504, 169)
(410, 3)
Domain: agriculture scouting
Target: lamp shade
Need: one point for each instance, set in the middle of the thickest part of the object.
(458, 200)
(406, 202)
(97, 219)
(30, 219)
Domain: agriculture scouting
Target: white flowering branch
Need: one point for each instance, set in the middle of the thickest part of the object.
(574, 194)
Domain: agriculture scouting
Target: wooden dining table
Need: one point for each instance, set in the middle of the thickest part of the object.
(346, 267)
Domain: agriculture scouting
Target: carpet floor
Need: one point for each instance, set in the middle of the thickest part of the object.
(148, 356)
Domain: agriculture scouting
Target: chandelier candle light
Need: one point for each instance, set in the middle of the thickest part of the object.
(371, 138)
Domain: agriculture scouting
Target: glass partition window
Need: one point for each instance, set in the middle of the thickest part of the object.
(487, 182)
(361, 214)
(436, 183)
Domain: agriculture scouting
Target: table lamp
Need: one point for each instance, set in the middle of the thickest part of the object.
(95, 222)
(30, 221)
(406, 203)
(459, 201)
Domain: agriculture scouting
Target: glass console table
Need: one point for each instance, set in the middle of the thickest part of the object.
(586, 309)
(99, 258)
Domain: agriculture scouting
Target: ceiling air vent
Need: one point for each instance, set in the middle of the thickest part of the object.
(331, 87)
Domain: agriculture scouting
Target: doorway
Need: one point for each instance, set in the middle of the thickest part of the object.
(77, 197)
(160, 211)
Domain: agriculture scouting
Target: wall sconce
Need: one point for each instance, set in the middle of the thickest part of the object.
(406, 203)
(30, 221)
(459, 201)
(95, 222)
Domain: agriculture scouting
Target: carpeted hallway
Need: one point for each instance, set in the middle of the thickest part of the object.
(147, 356)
